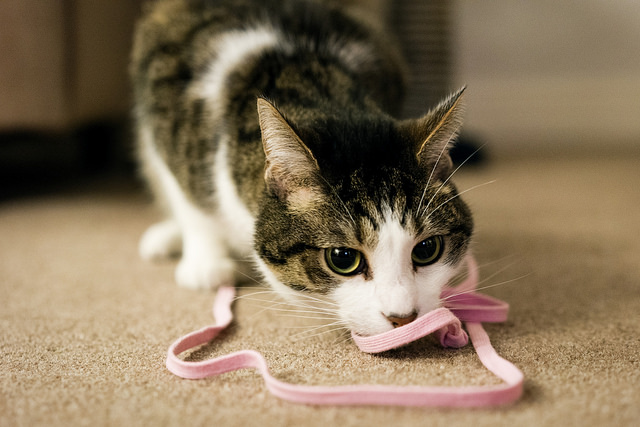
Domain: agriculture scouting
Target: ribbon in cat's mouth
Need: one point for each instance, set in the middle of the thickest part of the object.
(461, 303)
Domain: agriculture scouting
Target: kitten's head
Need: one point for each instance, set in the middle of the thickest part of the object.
(361, 210)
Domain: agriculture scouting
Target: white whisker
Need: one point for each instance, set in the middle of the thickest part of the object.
(333, 190)
(456, 196)
(319, 331)
(312, 328)
(435, 166)
(304, 307)
(307, 317)
(253, 294)
(316, 299)
(506, 282)
(450, 176)
(253, 279)
(297, 310)
(342, 338)
(495, 273)
(464, 274)
(265, 308)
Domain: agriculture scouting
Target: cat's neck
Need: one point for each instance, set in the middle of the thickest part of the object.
(315, 89)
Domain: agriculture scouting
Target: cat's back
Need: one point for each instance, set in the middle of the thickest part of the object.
(174, 34)
(177, 40)
(198, 67)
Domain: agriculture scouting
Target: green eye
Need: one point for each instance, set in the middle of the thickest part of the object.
(344, 261)
(428, 251)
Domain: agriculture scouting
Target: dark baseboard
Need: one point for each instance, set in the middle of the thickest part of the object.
(34, 162)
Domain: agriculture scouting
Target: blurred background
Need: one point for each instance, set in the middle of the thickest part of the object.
(544, 78)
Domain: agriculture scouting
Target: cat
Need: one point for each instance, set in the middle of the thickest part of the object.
(267, 130)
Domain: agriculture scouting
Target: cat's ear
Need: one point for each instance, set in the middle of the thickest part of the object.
(436, 132)
(291, 171)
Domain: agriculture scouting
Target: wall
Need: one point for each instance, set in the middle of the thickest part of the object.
(542, 76)
(549, 76)
(64, 62)
(33, 64)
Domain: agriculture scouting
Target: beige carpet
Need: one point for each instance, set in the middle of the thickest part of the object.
(86, 324)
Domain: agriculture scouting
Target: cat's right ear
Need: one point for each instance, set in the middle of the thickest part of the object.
(436, 132)
(291, 171)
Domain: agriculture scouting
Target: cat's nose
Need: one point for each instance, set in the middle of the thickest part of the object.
(398, 321)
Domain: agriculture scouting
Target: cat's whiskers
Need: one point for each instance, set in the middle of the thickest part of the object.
(320, 330)
(338, 324)
(456, 196)
(435, 166)
(342, 203)
(328, 312)
(318, 314)
(462, 274)
(341, 339)
(251, 278)
(308, 301)
(250, 295)
(484, 280)
(304, 307)
(310, 307)
(298, 316)
(316, 299)
(505, 282)
(318, 306)
(303, 310)
(450, 176)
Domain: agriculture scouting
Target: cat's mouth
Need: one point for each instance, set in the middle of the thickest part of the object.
(398, 320)
(385, 324)
(441, 321)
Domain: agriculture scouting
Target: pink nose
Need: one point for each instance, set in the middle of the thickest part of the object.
(398, 321)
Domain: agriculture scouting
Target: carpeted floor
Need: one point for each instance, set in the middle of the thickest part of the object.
(86, 324)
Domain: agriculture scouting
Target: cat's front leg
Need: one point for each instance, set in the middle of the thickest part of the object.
(205, 262)
(162, 240)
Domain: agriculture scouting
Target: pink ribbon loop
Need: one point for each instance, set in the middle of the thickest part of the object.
(452, 336)
(440, 321)
(460, 304)
(475, 307)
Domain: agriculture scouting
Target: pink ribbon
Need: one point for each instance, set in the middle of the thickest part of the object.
(461, 303)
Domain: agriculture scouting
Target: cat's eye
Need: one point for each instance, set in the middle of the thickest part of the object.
(428, 251)
(344, 261)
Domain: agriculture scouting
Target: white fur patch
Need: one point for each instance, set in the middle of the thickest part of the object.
(161, 241)
(237, 223)
(231, 50)
(396, 288)
(355, 55)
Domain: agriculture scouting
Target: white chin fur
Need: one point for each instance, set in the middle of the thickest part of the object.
(364, 304)
(396, 288)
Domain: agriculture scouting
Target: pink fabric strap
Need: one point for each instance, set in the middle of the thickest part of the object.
(460, 304)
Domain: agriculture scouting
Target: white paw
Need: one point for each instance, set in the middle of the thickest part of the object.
(161, 241)
(201, 273)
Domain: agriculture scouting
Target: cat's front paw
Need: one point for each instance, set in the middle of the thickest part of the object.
(161, 241)
(205, 274)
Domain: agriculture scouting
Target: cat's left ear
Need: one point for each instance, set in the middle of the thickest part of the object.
(292, 172)
(436, 131)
